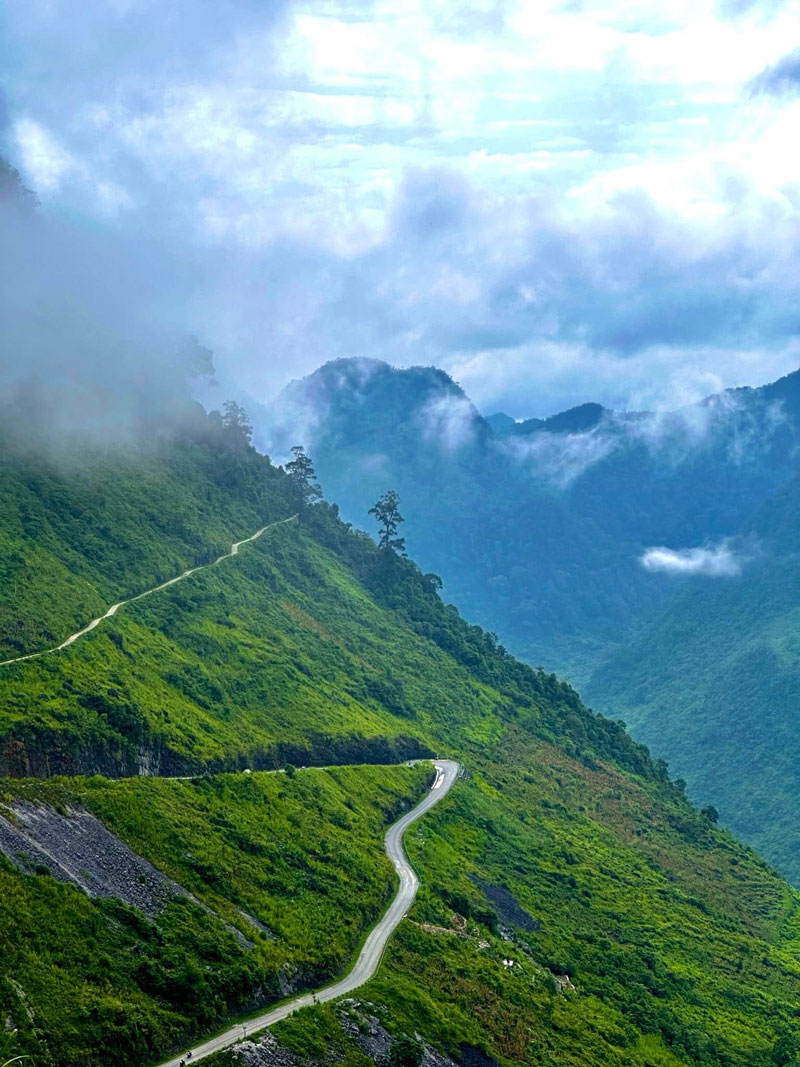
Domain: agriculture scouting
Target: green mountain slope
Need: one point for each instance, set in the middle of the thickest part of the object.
(85, 526)
(292, 865)
(537, 530)
(713, 683)
(290, 644)
(566, 849)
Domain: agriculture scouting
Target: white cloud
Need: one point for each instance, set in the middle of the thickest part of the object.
(547, 375)
(621, 181)
(44, 158)
(449, 421)
(560, 459)
(718, 561)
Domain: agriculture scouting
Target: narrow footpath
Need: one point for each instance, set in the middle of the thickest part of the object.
(370, 956)
(148, 592)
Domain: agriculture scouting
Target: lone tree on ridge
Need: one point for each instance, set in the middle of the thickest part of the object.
(236, 422)
(303, 477)
(389, 518)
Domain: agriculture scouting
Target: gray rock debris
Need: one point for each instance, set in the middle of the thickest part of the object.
(266, 1053)
(358, 1021)
(257, 924)
(77, 848)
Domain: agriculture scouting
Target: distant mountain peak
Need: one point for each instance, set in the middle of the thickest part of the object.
(501, 423)
(374, 403)
(575, 420)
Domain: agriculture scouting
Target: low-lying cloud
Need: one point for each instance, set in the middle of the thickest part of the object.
(84, 342)
(726, 424)
(560, 459)
(449, 421)
(712, 561)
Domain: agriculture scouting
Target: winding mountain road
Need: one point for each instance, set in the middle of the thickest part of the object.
(148, 592)
(370, 956)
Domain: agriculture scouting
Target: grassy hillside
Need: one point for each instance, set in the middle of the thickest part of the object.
(84, 526)
(305, 645)
(713, 684)
(678, 944)
(92, 982)
(567, 849)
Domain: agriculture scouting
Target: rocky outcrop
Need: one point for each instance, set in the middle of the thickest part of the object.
(266, 1052)
(40, 753)
(74, 846)
(360, 1022)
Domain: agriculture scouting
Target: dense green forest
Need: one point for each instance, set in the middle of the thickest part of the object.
(713, 681)
(566, 847)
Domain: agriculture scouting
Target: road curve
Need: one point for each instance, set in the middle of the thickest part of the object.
(370, 956)
(148, 592)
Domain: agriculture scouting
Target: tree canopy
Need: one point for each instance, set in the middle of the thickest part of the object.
(387, 513)
(236, 422)
(303, 477)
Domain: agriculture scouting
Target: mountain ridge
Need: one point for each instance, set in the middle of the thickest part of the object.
(543, 537)
(316, 637)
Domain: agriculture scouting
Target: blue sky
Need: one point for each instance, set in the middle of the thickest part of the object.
(554, 201)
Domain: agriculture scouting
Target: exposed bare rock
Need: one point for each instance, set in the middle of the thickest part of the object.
(290, 978)
(76, 847)
(358, 1019)
(257, 924)
(264, 1053)
(563, 983)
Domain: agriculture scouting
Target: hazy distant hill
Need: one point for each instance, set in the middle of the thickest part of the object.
(538, 528)
(713, 682)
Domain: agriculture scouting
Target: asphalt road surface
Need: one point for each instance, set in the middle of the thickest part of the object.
(370, 956)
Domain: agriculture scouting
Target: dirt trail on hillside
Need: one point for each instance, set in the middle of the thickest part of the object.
(148, 592)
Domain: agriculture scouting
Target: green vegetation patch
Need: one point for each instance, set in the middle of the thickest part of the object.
(93, 982)
(657, 938)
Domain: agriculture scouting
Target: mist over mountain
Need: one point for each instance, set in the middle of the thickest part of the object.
(539, 529)
(557, 237)
(315, 647)
(84, 346)
(648, 556)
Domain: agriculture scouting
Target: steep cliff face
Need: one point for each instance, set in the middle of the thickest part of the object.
(42, 754)
(49, 753)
